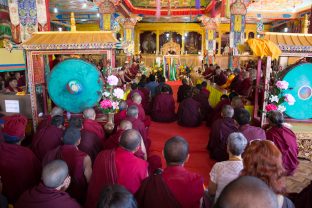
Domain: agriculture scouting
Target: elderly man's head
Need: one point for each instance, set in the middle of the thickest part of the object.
(89, 113)
(130, 140)
(276, 118)
(227, 111)
(136, 98)
(57, 111)
(236, 143)
(133, 111)
(176, 151)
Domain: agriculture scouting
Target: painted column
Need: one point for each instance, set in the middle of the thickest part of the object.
(210, 37)
(260, 26)
(183, 43)
(106, 10)
(237, 29)
(157, 43)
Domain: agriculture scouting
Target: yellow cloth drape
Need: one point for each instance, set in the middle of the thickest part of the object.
(107, 21)
(237, 23)
(263, 47)
(228, 81)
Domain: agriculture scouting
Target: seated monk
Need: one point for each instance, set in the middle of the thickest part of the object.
(48, 138)
(161, 82)
(245, 86)
(137, 124)
(91, 125)
(182, 89)
(284, 139)
(242, 117)
(122, 114)
(189, 112)
(175, 187)
(12, 88)
(237, 103)
(163, 107)
(137, 100)
(204, 89)
(19, 167)
(224, 100)
(152, 85)
(146, 94)
(202, 97)
(208, 72)
(79, 163)
(46, 121)
(134, 89)
(132, 71)
(116, 196)
(220, 78)
(230, 76)
(237, 81)
(247, 192)
(219, 133)
(50, 193)
(118, 166)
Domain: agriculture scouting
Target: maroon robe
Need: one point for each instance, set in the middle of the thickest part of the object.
(236, 83)
(285, 140)
(90, 144)
(46, 139)
(181, 92)
(118, 117)
(205, 108)
(95, 127)
(138, 125)
(220, 79)
(244, 87)
(129, 97)
(163, 108)
(252, 132)
(12, 90)
(19, 170)
(133, 70)
(189, 113)
(168, 190)
(145, 119)
(217, 145)
(113, 140)
(115, 167)
(42, 196)
(74, 159)
(45, 122)
(217, 111)
(146, 99)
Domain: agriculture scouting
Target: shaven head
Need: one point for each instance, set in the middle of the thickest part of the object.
(54, 173)
(133, 111)
(130, 140)
(247, 192)
(242, 116)
(227, 111)
(176, 150)
(136, 98)
(57, 111)
(72, 136)
(123, 105)
(125, 125)
(57, 121)
(89, 113)
(237, 102)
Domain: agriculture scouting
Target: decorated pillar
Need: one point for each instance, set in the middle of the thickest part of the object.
(129, 35)
(237, 29)
(107, 9)
(210, 37)
(260, 26)
(5, 30)
(157, 43)
(305, 25)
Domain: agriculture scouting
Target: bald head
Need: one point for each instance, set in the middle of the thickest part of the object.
(89, 113)
(54, 173)
(136, 97)
(133, 111)
(125, 125)
(227, 111)
(123, 105)
(247, 192)
(57, 111)
(176, 150)
(237, 102)
(130, 140)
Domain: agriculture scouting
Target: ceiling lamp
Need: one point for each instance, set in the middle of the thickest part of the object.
(55, 10)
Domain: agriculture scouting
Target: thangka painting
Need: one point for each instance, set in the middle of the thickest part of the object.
(148, 42)
(193, 42)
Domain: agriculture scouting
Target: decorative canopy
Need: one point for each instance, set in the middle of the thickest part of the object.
(71, 40)
(263, 47)
(291, 42)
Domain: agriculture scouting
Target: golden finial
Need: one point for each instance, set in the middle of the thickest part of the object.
(305, 25)
(72, 22)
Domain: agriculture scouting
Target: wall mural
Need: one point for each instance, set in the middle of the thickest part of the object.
(148, 42)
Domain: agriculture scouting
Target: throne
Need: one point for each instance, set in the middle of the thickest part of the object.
(171, 48)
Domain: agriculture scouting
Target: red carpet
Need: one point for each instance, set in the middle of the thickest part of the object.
(197, 137)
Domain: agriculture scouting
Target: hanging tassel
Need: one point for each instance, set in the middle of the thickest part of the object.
(157, 9)
(197, 4)
(213, 10)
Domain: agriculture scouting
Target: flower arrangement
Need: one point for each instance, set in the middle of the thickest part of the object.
(277, 97)
(112, 95)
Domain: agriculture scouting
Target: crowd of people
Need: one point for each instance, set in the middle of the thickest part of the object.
(12, 83)
(81, 166)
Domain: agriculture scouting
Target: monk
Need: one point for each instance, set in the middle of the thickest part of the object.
(224, 100)
(113, 140)
(230, 76)
(132, 71)
(189, 112)
(91, 125)
(175, 187)
(56, 111)
(137, 101)
(242, 117)
(209, 71)
(49, 137)
(284, 139)
(220, 130)
(12, 88)
(181, 91)
(202, 96)
(134, 89)
(220, 78)
(122, 114)
(152, 85)
(19, 167)
(137, 124)
(79, 163)
(163, 107)
(204, 89)
(146, 95)
(247, 192)
(51, 192)
(245, 87)
(237, 81)
(118, 166)
(161, 82)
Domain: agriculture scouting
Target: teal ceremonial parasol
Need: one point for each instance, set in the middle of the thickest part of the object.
(75, 85)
